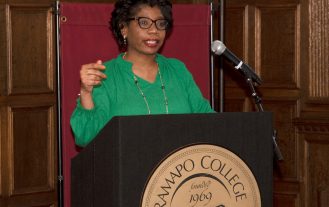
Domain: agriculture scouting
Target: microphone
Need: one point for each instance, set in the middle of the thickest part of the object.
(219, 48)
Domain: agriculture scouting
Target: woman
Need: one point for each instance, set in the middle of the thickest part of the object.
(139, 81)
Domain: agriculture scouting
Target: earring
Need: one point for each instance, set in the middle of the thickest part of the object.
(124, 41)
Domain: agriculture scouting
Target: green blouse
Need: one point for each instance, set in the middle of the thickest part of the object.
(118, 95)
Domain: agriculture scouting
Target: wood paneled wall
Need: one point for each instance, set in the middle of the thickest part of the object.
(285, 41)
(27, 105)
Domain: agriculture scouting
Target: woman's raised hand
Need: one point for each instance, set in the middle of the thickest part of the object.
(91, 75)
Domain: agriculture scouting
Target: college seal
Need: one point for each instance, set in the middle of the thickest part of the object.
(202, 175)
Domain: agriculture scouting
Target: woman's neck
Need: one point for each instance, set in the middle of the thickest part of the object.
(139, 59)
(144, 66)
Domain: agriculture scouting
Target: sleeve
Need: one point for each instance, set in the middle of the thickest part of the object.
(86, 124)
(198, 103)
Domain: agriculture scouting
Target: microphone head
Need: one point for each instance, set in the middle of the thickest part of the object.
(218, 47)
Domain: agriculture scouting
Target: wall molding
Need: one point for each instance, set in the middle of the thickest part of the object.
(312, 126)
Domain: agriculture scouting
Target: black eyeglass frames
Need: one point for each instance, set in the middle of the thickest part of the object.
(146, 23)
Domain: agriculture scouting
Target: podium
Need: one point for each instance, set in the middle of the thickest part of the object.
(114, 168)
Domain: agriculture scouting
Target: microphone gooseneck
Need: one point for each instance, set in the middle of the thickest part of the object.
(218, 48)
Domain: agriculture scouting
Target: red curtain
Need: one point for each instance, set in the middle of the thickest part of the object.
(85, 37)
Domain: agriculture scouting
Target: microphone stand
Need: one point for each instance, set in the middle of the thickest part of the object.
(258, 102)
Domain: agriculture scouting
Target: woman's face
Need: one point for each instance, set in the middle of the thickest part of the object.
(144, 41)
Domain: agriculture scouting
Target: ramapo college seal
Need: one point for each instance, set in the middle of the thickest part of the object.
(202, 175)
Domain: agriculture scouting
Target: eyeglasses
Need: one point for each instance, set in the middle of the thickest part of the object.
(146, 23)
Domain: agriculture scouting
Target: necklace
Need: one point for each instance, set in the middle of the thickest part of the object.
(144, 97)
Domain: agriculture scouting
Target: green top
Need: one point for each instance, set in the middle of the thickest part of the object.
(118, 95)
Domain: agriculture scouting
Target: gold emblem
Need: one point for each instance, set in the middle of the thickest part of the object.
(202, 175)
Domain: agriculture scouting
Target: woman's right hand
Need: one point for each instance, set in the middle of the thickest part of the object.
(91, 75)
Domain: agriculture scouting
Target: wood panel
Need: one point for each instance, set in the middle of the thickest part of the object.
(277, 45)
(32, 148)
(314, 60)
(287, 194)
(285, 200)
(234, 40)
(3, 151)
(3, 50)
(235, 104)
(28, 116)
(26, 62)
(286, 41)
(317, 160)
(314, 136)
(319, 49)
(284, 112)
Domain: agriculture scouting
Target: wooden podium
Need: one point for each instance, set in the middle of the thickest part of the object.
(114, 168)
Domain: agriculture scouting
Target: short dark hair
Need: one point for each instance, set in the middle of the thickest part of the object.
(125, 9)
